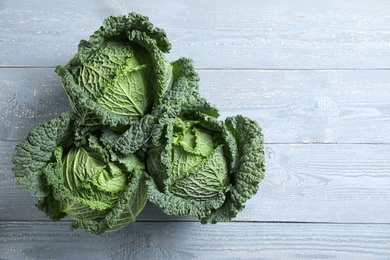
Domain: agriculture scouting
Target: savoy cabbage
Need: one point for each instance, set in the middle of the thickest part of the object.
(139, 131)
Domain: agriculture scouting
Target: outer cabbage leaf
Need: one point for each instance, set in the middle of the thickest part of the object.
(36, 151)
(120, 74)
(184, 95)
(248, 166)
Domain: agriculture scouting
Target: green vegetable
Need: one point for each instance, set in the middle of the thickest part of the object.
(76, 176)
(120, 73)
(102, 195)
(205, 168)
(139, 131)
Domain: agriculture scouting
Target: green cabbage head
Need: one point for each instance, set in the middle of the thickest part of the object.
(78, 177)
(120, 74)
(203, 167)
(101, 195)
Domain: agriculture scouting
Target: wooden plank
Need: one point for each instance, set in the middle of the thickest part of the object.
(291, 106)
(324, 183)
(306, 106)
(28, 97)
(171, 240)
(222, 34)
(305, 183)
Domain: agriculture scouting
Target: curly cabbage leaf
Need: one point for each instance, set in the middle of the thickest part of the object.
(248, 166)
(36, 151)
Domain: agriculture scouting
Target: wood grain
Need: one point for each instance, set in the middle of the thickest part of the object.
(290, 106)
(303, 183)
(28, 97)
(306, 106)
(221, 34)
(314, 74)
(157, 240)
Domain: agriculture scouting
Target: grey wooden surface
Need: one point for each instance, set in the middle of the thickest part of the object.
(314, 74)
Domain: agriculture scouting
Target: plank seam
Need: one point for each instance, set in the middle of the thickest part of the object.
(224, 69)
(68, 221)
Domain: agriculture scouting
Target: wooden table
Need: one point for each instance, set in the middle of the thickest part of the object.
(314, 74)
